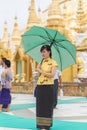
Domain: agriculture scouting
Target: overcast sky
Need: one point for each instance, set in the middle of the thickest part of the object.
(11, 8)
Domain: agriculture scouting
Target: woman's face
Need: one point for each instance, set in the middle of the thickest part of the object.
(0, 62)
(45, 54)
(5, 66)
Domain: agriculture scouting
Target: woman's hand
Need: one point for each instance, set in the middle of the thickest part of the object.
(61, 85)
(49, 75)
(39, 70)
(38, 66)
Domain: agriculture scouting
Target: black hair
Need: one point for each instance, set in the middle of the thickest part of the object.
(4, 59)
(47, 48)
(7, 63)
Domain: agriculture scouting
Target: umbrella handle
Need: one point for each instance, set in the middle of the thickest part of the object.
(52, 43)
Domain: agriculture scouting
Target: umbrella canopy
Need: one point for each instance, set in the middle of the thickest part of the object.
(63, 51)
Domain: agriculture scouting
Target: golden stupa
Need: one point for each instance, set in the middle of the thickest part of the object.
(60, 15)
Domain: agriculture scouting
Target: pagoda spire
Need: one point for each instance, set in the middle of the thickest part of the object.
(39, 12)
(55, 19)
(54, 8)
(5, 36)
(80, 17)
(33, 18)
(66, 30)
(65, 11)
(16, 36)
(85, 12)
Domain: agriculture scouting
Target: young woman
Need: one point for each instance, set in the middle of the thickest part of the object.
(6, 78)
(45, 84)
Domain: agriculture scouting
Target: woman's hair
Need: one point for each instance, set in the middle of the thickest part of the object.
(4, 59)
(47, 48)
(7, 63)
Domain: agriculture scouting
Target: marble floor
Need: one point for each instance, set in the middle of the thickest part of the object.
(76, 111)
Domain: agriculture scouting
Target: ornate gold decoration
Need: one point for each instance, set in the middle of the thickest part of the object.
(23, 77)
(55, 17)
(33, 18)
(80, 17)
(17, 78)
(16, 35)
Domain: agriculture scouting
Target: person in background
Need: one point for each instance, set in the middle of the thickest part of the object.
(2, 63)
(45, 86)
(57, 82)
(6, 78)
(2, 68)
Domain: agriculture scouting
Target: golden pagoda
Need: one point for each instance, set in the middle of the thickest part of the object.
(33, 18)
(5, 37)
(4, 44)
(66, 30)
(81, 28)
(23, 63)
(70, 22)
(55, 20)
(16, 34)
(80, 17)
(82, 35)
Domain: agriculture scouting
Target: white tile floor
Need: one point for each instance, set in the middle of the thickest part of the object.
(76, 110)
(1, 128)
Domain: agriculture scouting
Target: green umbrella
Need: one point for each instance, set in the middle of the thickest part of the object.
(63, 51)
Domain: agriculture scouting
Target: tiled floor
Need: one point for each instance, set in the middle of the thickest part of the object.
(72, 112)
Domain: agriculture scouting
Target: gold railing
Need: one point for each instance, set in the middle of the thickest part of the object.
(26, 88)
(69, 88)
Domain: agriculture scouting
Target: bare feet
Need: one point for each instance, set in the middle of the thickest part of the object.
(6, 110)
(0, 107)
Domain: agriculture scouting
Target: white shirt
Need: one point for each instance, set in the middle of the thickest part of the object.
(1, 70)
(57, 74)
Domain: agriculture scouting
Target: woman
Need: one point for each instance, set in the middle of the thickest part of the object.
(44, 95)
(6, 78)
(3, 68)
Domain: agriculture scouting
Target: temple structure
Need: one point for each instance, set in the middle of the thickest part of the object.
(61, 16)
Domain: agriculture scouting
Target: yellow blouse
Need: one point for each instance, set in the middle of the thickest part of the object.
(46, 66)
